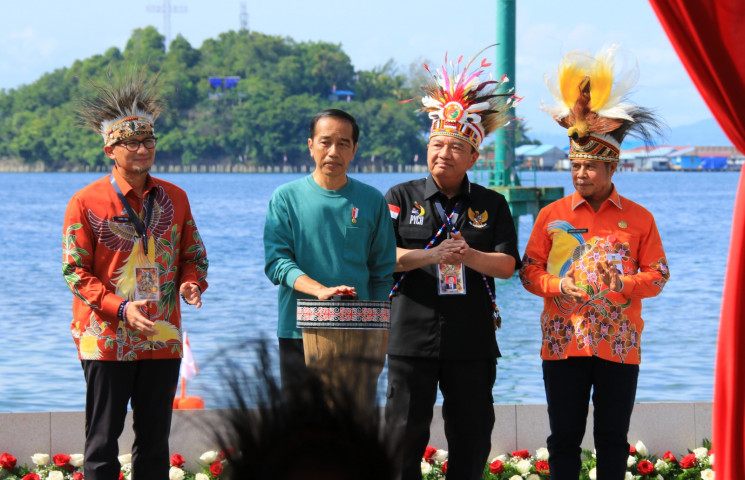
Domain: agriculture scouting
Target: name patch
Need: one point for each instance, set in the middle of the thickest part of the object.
(577, 230)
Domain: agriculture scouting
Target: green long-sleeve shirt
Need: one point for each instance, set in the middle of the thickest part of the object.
(336, 237)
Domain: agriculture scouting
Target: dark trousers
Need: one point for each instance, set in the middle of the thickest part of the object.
(151, 386)
(467, 410)
(568, 384)
(291, 361)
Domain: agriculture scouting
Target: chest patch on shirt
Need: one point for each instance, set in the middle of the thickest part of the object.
(417, 215)
(477, 219)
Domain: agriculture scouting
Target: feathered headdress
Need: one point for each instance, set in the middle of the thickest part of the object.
(124, 107)
(461, 105)
(589, 105)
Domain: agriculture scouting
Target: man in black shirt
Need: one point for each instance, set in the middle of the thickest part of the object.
(453, 237)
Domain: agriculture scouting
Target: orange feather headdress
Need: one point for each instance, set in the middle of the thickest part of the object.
(589, 97)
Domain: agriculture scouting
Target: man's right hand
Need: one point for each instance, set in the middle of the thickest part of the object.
(137, 320)
(569, 288)
(449, 252)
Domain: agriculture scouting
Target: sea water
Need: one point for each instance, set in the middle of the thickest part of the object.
(39, 369)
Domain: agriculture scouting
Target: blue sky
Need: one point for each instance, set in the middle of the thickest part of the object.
(39, 37)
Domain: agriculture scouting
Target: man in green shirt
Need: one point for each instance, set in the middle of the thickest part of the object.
(326, 234)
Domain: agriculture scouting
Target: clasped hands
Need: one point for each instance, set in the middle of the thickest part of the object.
(452, 251)
(607, 274)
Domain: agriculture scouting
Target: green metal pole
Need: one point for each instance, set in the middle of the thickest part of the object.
(504, 152)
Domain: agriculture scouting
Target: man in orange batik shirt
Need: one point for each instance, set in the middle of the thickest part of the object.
(593, 256)
(130, 247)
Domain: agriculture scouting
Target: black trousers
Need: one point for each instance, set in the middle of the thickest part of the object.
(150, 385)
(568, 383)
(291, 361)
(467, 410)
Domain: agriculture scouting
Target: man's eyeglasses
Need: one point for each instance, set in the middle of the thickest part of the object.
(134, 145)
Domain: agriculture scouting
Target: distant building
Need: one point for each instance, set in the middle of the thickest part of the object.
(539, 157)
(681, 158)
(340, 95)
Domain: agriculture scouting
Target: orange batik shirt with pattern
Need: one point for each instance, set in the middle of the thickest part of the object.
(100, 253)
(569, 236)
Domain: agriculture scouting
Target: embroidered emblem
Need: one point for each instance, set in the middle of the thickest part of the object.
(395, 210)
(417, 215)
(355, 214)
(417, 210)
(478, 219)
(622, 224)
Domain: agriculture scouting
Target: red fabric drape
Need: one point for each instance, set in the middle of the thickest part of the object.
(709, 37)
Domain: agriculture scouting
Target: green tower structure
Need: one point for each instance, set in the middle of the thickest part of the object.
(501, 174)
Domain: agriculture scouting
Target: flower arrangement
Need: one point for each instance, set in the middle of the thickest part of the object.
(70, 467)
(521, 465)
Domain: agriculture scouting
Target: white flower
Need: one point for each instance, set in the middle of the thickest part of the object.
(660, 477)
(516, 477)
(40, 459)
(125, 459)
(76, 460)
(661, 465)
(542, 454)
(533, 476)
(641, 449)
(502, 458)
(629, 476)
(55, 475)
(175, 473)
(208, 458)
(701, 453)
(523, 466)
(426, 468)
(201, 476)
(631, 461)
(711, 459)
(593, 474)
(440, 456)
(707, 474)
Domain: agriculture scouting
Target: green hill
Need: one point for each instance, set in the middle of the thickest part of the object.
(265, 117)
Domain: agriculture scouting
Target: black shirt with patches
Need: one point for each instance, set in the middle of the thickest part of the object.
(424, 323)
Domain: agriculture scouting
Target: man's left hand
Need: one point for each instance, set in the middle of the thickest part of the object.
(608, 274)
(191, 294)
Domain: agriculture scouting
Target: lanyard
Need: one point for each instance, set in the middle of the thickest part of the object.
(449, 221)
(141, 228)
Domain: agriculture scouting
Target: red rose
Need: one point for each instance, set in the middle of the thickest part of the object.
(428, 452)
(61, 459)
(688, 461)
(669, 457)
(645, 467)
(521, 453)
(121, 475)
(541, 466)
(177, 460)
(70, 468)
(632, 450)
(216, 468)
(7, 461)
(77, 476)
(444, 468)
(496, 467)
(31, 476)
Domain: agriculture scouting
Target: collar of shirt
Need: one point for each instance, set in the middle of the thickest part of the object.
(127, 188)
(614, 198)
(431, 189)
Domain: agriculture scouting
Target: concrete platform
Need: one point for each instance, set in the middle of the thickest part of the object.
(661, 426)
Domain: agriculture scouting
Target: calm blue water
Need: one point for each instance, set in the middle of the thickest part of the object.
(39, 370)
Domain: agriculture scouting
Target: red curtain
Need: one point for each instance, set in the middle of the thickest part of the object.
(709, 37)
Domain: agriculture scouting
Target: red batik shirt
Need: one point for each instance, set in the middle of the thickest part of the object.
(569, 234)
(100, 252)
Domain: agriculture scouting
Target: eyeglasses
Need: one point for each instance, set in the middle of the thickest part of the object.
(134, 145)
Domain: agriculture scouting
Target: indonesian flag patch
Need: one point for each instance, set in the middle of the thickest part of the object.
(394, 211)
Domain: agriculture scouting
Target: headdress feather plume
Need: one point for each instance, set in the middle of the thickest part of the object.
(132, 95)
(463, 106)
(589, 103)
